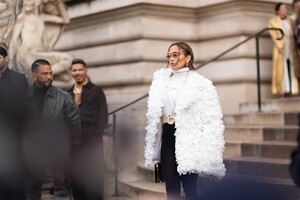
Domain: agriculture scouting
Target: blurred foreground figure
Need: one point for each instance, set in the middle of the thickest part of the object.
(87, 175)
(295, 161)
(242, 189)
(52, 128)
(13, 88)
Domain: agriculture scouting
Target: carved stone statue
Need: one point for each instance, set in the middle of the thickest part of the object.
(35, 32)
(9, 9)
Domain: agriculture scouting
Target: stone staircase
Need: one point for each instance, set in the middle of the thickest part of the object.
(258, 147)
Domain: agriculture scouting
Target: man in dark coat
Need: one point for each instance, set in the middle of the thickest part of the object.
(87, 175)
(13, 88)
(52, 128)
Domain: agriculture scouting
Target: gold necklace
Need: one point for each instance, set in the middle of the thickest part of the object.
(77, 90)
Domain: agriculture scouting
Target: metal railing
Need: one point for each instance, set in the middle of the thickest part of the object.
(113, 113)
(256, 36)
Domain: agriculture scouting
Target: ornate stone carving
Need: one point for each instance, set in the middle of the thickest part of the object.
(35, 32)
(9, 10)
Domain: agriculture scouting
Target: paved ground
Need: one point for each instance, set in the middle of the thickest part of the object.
(109, 191)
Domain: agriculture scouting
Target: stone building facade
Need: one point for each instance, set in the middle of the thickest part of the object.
(125, 41)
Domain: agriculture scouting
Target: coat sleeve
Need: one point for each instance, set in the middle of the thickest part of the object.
(275, 34)
(72, 117)
(199, 128)
(102, 119)
(153, 115)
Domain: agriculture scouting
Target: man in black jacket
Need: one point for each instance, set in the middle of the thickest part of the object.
(52, 129)
(87, 175)
(13, 88)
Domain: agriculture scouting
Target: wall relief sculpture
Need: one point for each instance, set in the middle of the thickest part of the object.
(9, 9)
(30, 29)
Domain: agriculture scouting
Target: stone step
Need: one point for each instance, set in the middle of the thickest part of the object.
(109, 190)
(133, 185)
(272, 118)
(269, 105)
(148, 174)
(285, 185)
(47, 196)
(268, 149)
(233, 148)
(46, 186)
(254, 166)
(274, 149)
(261, 133)
(257, 166)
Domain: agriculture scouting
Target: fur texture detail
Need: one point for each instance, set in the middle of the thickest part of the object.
(199, 127)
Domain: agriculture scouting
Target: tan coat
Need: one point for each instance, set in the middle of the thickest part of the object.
(279, 58)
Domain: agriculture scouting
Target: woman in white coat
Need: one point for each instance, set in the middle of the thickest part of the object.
(192, 139)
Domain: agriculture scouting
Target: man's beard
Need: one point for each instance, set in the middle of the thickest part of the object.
(43, 84)
(3, 66)
(81, 80)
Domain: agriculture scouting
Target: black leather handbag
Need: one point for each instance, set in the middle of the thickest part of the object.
(158, 173)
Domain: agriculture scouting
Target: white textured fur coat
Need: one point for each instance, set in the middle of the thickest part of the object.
(199, 127)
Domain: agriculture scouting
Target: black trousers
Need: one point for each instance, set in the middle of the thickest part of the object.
(87, 179)
(169, 168)
(88, 167)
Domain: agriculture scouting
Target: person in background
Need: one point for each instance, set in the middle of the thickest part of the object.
(295, 7)
(13, 90)
(192, 139)
(296, 27)
(285, 61)
(52, 129)
(87, 176)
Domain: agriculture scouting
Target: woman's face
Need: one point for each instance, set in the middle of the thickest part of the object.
(176, 58)
(282, 12)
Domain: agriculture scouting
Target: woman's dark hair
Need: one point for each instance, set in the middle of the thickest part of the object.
(187, 50)
(277, 7)
(35, 65)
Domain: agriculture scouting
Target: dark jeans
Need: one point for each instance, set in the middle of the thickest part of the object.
(169, 168)
(61, 182)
